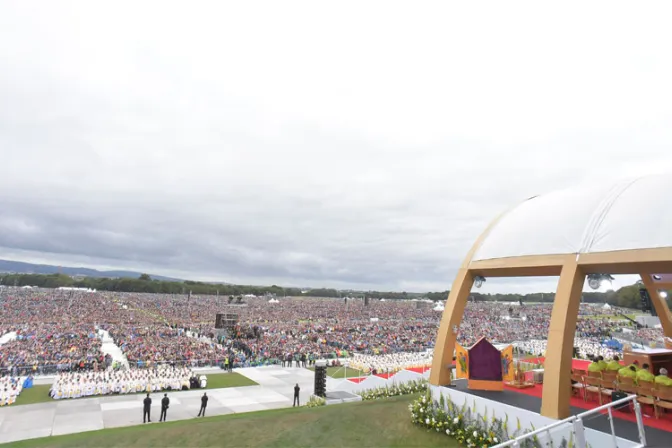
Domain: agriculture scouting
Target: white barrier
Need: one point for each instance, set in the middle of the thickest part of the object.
(374, 382)
(371, 382)
(528, 420)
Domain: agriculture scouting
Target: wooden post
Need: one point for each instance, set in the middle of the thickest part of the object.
(558, 364)
(452, 317)
(659, 304)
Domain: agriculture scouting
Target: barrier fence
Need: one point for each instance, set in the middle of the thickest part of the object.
(573, 429)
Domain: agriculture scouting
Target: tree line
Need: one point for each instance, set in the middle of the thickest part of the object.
(626, 297)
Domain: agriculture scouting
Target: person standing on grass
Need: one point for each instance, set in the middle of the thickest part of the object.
(146, 407)
(204, 404)
(165, 402)
(296, 395)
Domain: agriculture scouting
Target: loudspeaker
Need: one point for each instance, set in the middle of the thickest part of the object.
(645, 299)
(367, 301)
(575, 352)
(320, 389)
(616, 395)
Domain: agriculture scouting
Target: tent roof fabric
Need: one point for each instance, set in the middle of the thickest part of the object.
(624, 215)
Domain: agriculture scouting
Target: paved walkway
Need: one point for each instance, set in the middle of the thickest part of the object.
(275, 390)
(11, 336)
(108, 347)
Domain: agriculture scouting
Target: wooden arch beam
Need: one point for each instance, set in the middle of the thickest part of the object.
(659, 304)
(559, 349)
(453, 312)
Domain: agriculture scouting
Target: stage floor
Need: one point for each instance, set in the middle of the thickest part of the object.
(625, 428)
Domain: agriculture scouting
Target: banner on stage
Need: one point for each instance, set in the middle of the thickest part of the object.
(462, 362)
(507, 364)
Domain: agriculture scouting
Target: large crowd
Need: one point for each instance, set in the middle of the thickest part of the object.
(56, 331)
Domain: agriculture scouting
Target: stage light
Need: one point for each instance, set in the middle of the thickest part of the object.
(478, 281)
(596, 281)
(663, 294)
(657, 277)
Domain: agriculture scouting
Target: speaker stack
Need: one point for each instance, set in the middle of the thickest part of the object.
(646, 301)
(320, 379)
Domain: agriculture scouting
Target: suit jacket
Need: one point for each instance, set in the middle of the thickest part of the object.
(147, 402)
(165, 402)
(204, 400)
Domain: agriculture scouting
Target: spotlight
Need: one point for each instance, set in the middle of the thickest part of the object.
(657, 277)
(663, 294)
(595, 281)
(478, 281)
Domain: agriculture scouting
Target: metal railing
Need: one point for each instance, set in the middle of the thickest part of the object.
(578, 429)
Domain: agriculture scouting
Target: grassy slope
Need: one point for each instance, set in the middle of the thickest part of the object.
(381, 423)
(40, 393)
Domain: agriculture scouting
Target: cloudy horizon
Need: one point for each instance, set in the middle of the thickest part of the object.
(364, 145)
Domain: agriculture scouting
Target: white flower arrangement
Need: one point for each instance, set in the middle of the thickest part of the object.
(461, 423)
(411, 387)
(315, 401)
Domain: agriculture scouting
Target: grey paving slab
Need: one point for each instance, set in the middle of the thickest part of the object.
(250, 408)
(40, 419)
(275, 390)
(119, 418)
(77, 422)
(24, 434)
(90, 404)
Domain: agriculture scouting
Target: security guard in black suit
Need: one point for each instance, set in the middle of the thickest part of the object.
(146, 407)
(165, 402)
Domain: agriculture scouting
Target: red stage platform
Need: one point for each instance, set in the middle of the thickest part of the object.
(663, 423)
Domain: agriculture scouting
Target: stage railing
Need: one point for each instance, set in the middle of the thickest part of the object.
(575, 423)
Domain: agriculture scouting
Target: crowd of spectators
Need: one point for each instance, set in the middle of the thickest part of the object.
(59, 330)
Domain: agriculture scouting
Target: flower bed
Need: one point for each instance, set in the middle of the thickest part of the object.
(410, 387)
(316, 401)
(459, 422)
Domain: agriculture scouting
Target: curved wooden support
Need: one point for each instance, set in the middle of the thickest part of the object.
(451, 319)
(450, 322)
(659, 304)
(559, 349)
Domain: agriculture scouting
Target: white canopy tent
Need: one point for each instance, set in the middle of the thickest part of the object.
(585, 219)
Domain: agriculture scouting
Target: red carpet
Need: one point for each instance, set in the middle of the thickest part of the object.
(663, 423)
(357, 380)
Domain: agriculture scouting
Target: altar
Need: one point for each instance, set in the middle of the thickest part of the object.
(655, 358)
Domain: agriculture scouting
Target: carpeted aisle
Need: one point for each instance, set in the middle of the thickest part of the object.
(664, 423)
(581, 364)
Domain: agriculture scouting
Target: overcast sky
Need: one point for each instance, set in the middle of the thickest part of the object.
(348, 144)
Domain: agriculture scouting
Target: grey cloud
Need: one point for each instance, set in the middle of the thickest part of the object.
(225, 153)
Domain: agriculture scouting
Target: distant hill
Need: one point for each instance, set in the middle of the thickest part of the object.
(19, 267)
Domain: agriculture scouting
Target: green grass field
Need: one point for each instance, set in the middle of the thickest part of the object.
(40, 393)
(381, 423)
(342, 372)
